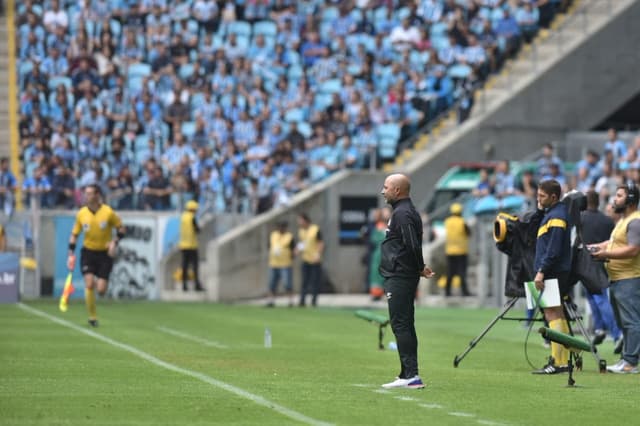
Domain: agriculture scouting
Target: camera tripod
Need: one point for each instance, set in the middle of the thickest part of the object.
(571, 315)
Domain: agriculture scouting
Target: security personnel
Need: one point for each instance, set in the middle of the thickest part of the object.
(188, 244)
(457, 248)
(622, 251)
(402, 265)
(281, 246)
(97, 221)
(310, 246)
(553, 260)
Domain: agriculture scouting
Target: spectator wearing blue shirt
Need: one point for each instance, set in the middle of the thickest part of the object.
(614, 144)
(7, 187)
(484, 186)
(63, 188)
(54, 65)
(545, 161)
(508, 30)
(504, 180)
(312, 49)
(32, 49)
(37, 187)
(527, 17)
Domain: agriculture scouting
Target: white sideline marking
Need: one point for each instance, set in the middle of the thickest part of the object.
(430, 405)
(382, 391)
(171, 367)
(405, 398)
(491, 423)
(192, 338)
(460, 414)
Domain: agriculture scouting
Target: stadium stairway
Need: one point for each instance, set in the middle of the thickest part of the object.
(4, 89)
(583, 19)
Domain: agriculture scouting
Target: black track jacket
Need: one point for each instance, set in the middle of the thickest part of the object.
(402, 246)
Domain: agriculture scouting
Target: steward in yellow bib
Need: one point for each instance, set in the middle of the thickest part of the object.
(622, 251)
(97, 221)
(281, 246)
(310, 247)
(456, 248)
(188, 244)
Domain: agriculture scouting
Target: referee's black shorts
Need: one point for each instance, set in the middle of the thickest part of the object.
(96, 262)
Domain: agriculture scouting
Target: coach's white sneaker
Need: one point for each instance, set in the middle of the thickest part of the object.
(412, 383)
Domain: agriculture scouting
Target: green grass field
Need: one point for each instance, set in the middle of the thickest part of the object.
(198, 364)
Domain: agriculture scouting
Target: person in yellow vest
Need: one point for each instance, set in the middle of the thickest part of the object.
(622, 253)
(97, 221)
(188, 244)
(456, 248)
(281, 247)
(310, 247)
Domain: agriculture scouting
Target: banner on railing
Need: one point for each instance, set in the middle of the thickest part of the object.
(9, 277)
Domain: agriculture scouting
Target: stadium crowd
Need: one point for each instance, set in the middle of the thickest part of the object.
(241, 104)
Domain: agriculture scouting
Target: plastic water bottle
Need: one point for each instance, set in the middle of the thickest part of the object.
(267, 337)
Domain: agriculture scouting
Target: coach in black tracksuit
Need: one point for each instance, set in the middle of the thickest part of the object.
(402, 265)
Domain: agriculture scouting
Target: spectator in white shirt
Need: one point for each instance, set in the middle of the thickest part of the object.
(55, 17)
(405, 36)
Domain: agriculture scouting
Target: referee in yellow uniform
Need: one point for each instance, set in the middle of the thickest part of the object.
(97, 221)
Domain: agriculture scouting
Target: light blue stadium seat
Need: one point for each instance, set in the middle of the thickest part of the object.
(186, 70)
(267, 28)
(135, 83)
(439, 42)
(188, 128)
(116, 28)
(295, 114)
(330, 14)
(141, 142)
(388, 130)
(403, 12)
(387, 148)
(438, 29)
(321, 101)
(459, 71)
(333, 85)
(305, 128)
(379, 14)
(295, 72)
(239, 28)
(56, 81)
(140, 69)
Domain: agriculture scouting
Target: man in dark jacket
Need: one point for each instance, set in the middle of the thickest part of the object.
(553, 260)
(597, 227)
(402, 265)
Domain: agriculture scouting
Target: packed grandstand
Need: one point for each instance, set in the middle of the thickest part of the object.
(242, 104)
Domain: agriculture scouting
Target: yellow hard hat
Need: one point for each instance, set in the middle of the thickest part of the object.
(191, 205)
(456, 208)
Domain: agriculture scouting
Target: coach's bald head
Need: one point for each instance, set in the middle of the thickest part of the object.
(396, 187)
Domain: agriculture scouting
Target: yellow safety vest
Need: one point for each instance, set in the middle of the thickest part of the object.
(457, 239)
(309, 244)
(188, 236)
(280, 254)
(620, 269)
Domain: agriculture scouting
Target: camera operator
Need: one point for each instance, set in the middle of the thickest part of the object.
(553, 260)
(622, 251)
(596, 227)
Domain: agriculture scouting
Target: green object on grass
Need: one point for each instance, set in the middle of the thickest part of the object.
(370, 316)
(570, 342)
